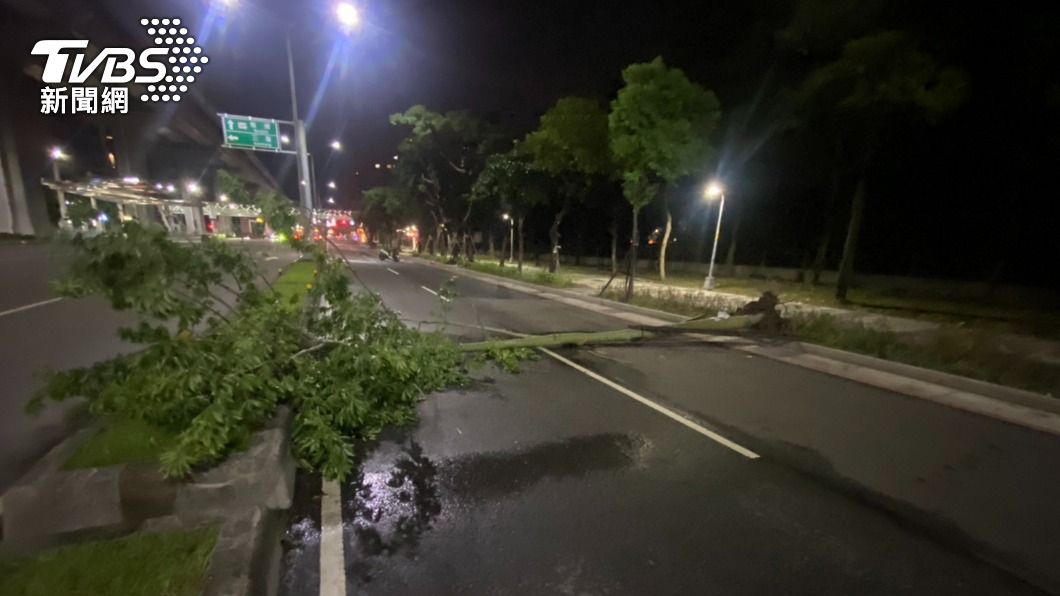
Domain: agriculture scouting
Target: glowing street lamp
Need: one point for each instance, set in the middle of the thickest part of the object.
(224, 198)
(56, 154)
(714, 191)
(286, 140)
(348, 16)
(331, 184)
(193, 188)
(511, 236)
(336, 145)
(331, 200)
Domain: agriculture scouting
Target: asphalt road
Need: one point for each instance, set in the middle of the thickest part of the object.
(38, 332)
(552, 481)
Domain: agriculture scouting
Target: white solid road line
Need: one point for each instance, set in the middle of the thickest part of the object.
(332, 559)
(29, 306)
(662, 410)
(435, 293)
(392, 271)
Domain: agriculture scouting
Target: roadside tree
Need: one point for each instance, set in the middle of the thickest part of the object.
(660, 127)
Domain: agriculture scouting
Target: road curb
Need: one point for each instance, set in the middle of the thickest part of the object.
(1009, 394)
(1005, 404)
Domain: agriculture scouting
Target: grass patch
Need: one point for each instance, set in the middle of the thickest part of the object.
(969, 353)
(163, 564)
(671, 301)
(120, 442)
(294, 282)
(531, 274)
(17, 238)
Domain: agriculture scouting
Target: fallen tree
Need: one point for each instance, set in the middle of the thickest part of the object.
(220, 351)
(554, 340)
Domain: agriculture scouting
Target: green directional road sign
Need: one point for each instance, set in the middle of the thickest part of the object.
(246, 132)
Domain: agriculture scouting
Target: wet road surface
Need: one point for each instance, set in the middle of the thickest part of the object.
(549, 482)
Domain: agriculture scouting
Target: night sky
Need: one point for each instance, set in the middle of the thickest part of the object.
(508, 61)
(971, 197)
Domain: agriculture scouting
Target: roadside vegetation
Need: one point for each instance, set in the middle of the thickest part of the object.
(541, 277)
(672, 301)
(146, 564)
(530, 274)
(969, 353)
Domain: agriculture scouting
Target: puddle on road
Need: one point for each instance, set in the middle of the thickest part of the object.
(301, 540)
(484, 476)
(400, 494)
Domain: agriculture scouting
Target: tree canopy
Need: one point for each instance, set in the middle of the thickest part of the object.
(661, 123)
(879, 77)
(572, 138)
(512, 182)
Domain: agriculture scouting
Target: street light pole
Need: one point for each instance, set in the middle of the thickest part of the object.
(511, 236)
(714, 190)
(63, 218)
(299, 133)
(56, 154)
(313, 202)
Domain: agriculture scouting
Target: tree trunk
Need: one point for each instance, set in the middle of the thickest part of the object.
(665, 240)
(519, 224)
(846, 265)
(614, 244)
(822, 252)
(730, 257)
(821, 257)
(504, 250)
(634, 241)
(553, 235)
(439, 239)
(492, 252)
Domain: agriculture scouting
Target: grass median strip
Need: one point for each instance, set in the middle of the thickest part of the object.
(122, 441)
(162, 564)
(296, 280)
(969, 353)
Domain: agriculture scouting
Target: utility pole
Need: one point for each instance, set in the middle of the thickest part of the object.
(304, 192)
